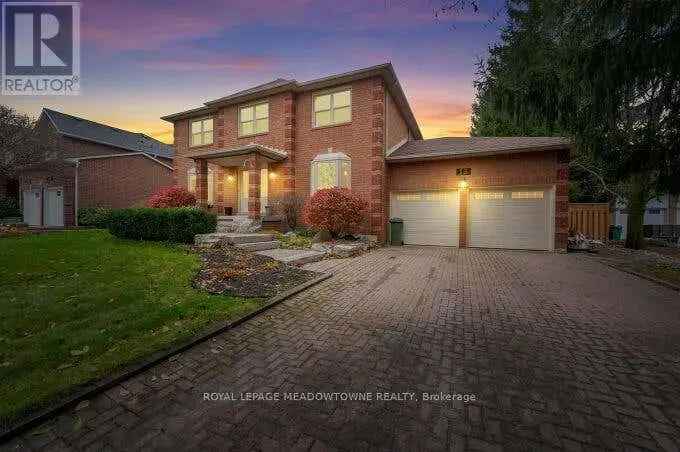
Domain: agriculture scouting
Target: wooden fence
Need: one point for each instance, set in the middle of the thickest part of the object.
(591, 220)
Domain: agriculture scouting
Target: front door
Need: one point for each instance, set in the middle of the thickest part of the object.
(264, 190)
(54, 207)
(32, 206)
(243, 192)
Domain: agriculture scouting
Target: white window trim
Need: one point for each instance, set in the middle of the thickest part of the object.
(191, 134)
(325, 93)
(252, 105)
(191, 172)
(338, 158)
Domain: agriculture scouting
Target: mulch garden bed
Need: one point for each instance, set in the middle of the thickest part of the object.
(656, 262)
(232, 271)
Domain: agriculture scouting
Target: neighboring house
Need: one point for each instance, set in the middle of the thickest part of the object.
(95, 165)
(242, 152)
(664, 209)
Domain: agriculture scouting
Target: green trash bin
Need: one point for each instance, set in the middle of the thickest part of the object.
(615, 232)
(396, 231)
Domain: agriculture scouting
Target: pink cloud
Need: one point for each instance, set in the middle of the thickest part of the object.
(239, 63)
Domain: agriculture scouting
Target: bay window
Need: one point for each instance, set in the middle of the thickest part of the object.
(331, 170)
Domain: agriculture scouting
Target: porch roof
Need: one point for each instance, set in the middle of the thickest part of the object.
(265, 151)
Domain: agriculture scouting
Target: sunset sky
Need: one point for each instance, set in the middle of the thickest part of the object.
(144, 59)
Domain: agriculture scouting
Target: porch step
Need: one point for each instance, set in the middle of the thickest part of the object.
(259, 246)
(293, 257)
(231, 238)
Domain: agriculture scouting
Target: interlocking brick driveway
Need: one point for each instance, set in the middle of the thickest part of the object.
(562, 352)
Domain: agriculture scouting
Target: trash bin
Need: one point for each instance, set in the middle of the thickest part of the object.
(396, 231)
(615, 232)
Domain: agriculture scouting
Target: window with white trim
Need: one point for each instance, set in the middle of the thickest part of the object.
(202, 132)
(486, 195)
(333, 108)
(331, 170)
(253, 119)
(191, 179)
(527, 195)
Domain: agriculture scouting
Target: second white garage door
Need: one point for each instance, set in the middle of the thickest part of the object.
(512, 218)
(430, 217)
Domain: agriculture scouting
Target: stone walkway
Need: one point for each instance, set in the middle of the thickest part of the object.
(561, 352)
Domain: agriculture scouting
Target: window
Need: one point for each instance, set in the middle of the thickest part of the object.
(253, 119)
(408, 196)
(211, 186)
(191, 180)
(485, 195)
(654, 211)
(202, 132)
(437, 196)
(332, 108)
(527, 195)
(331, 170)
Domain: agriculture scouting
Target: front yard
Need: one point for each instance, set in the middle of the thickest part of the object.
(77, 305)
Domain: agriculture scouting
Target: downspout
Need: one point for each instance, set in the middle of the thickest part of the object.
(75, 195)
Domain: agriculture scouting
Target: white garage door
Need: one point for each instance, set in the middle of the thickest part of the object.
(32, 200)
(430, 217)
(515, 219)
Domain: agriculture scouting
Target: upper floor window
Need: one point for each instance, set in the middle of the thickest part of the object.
(331, 170)
(253, 119)
(202, 132)
(332, 107)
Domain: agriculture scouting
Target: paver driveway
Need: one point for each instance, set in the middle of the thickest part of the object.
(561, 351)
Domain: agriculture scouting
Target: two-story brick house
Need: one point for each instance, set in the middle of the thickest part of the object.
(243, 151)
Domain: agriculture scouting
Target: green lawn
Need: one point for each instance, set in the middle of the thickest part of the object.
(76, 305)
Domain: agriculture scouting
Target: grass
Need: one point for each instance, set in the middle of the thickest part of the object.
(78, 305)
(293, 241)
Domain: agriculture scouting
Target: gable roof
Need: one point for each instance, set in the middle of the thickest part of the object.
(84, 129)
(386, 71)
(459, 147)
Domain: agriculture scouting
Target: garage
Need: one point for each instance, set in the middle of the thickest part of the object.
(430, 217)
(517, 218)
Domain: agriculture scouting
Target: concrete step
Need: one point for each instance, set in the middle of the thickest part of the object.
(293, 257)
(259, 246)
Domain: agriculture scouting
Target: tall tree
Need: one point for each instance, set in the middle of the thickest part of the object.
(21, 142)
(606, 73)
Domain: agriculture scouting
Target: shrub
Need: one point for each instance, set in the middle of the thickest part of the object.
(172, 225)
(9, 207)
(171, 197)
(293, 241)
(336, 210)
(291, 205)
(94, 216)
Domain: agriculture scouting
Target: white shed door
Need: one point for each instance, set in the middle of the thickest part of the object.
(32, 201)
(515, 219)
(54, 207)
(430, 217)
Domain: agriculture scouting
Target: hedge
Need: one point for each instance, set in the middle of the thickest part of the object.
(94, 216)
(9, 207)
(179, 224)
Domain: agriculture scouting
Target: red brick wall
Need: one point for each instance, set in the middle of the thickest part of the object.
(120, 182)
(290, 129)
(397, 130)
(526, 169)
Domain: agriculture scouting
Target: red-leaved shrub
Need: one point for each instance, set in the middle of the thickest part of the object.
(171, 197)
(336, 210)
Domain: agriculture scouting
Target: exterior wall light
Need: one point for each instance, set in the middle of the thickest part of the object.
(230, 178)
(463, 184)
(272, 175)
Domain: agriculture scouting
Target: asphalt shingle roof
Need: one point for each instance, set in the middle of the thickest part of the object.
(84, 129)
(463, 146)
